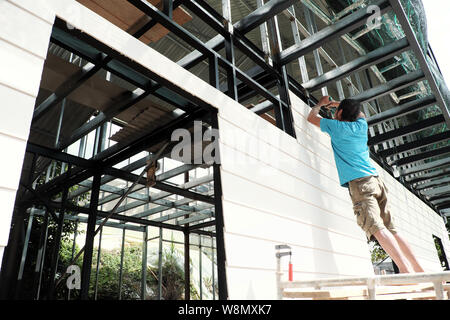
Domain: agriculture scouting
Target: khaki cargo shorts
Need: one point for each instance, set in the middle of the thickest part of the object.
(370, 205)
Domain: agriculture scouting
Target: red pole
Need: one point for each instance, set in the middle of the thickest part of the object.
(291, 272)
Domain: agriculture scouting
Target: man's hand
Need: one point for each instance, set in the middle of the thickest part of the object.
(313, 116)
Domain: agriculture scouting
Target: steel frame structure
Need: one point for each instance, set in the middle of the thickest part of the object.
(269, 72)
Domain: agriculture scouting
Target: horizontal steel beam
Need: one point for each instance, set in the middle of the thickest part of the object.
(251, 21)
(444, 205)
(59, 156)
(412, 128)
(438, 197)
(425, 167)
(423, 156)
(158, 185)
(419, 55)
(85, 219)
(142, 222)
(402, 110)
(390, 86)
(436, 173)
(420, 143)
(339, 28)
(434, 183)
(360, 63)
(126, 101)
(444, 190)
(87, 185)
(155, 197)
(262, 107)
(262, 14)
(69, 85)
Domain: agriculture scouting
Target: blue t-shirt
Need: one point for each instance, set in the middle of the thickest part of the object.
(351, 153)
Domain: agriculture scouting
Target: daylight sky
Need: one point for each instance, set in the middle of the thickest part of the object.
(438, 20)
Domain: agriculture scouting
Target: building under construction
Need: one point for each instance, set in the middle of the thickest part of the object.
(171, 131)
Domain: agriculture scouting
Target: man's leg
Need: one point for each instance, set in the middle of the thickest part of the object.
(388, 242)
(406, 249)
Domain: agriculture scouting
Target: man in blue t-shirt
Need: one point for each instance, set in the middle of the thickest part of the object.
(348, 132)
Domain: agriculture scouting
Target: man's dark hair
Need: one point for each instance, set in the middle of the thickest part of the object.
(350, 109)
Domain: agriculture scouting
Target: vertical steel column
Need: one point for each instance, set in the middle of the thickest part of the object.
(214, 72)
(312, 28)
(283, 115)
(200, 265)
(212, 271)
(187, 271)
(90, 234)
(99, 251)
(24, 254)
(298, 40)
(160, 256)
(168, 8)
(121, 264)
(264, 37)
(229, 51)
(41, 256)
(57, 239)
(144, 264)
(220, 241)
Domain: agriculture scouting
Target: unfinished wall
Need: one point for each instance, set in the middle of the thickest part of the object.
(277, 189)
(24, 37)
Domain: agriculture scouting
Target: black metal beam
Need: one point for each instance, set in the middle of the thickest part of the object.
(68, 86)
(402, 110)
(339, 28)
(390, 86)
(118, 153)
(220, 240)
(124, 218)
(436, 173)
(90, 234)
(126, 101)
(438, 197)
(59, 156)
(419, 55)
(262, 14)
(139, 75)
(422, 156)
(243, 26)
(435, 183)
(420, 143)
(425, 167)
(360, 63)
(412, 128)
(444, 205)
(127, 176)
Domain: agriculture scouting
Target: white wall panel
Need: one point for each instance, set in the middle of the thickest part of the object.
(24, 39)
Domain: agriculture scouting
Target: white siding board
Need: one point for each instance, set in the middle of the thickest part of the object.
(39, 8)
(11, 166)
(24, 38)
(21, 70)
(7, 198)
(235, 189)
(260, 224)
(24, 30)
(18, 109)
(281, 182)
